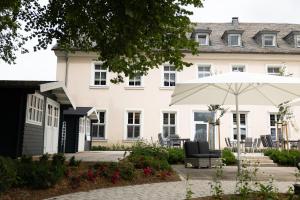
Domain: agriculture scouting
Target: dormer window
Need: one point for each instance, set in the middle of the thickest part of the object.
(234, 40)
(269, 40)
(202, 39)
(298, 41)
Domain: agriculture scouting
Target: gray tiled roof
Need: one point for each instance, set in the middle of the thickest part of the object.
(249, 45)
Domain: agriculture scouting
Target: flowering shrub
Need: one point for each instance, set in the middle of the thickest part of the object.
(115, 177)
(147, 171)
(91, 175)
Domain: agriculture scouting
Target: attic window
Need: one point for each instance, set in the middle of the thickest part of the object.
(269, 40)
(234, 40)
(202, 39)
(297, 40)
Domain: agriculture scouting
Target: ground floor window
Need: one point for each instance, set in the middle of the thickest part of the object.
(243, 126)
(98, 127)
(274, 129)
(133, 124)
(35, 108)
(169, 124)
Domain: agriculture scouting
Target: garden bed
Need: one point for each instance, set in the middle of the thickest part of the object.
(43, 178)
(65, 187)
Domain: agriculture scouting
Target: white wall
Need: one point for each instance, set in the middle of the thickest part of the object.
(152, 100)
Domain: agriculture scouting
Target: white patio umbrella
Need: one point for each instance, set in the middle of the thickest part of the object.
(237, 88)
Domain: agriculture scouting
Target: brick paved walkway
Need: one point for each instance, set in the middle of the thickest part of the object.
(157, 191)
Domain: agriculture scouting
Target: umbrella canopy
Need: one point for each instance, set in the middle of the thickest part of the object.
(237, 88)
(253, 89)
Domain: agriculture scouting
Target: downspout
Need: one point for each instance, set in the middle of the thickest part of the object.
(67, 68)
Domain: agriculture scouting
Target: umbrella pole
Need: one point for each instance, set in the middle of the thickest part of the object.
(238, 131)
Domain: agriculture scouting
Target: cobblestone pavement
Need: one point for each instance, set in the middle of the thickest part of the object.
(159, 191)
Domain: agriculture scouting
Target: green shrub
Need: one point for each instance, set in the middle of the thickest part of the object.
(151, 150)
(176, 155)
(114, 147)
(284, 157)
(73, 162)
(228, 157)
(8, 174)
(44, 158)
(127, 170)
(141, 162)
(58, 159)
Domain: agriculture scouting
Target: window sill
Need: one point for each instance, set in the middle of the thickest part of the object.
(134, 87)
(167, 88)
(99, 87)
(99, 140)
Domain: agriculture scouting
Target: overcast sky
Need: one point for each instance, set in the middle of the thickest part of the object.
(42, 65)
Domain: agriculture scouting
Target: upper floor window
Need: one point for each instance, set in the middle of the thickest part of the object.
(234, 40)
(298, 41)
(100, 75)
(238, 68)
(202, 39)
(98, 127)
(133, 124)
(269, 40)
(35, 109)
(135, 80)
(169, 76)
(274, 70)
(204, 71)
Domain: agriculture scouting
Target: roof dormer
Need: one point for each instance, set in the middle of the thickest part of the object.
(233, 38)
(266, 38)
(293, 38)
(201, 36)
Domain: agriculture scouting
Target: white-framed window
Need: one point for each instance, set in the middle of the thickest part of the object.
(98, 127)
(133, 126)
(238, 68)
(50, 115)
(273, 126)
(169, 76)
(99, 75)
(243, 126)
(269, 40)
(202, 39)
(204, 70)
(135, 81)
(35, 109)
(297, 40)
(274, 69)
(56, 117)
(234, 40)
(169, 124)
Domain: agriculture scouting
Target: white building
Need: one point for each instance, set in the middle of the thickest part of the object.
(139, 108)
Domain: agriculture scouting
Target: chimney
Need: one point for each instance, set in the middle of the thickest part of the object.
(235, 21)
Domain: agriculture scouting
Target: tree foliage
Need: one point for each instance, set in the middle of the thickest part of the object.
(129, 36)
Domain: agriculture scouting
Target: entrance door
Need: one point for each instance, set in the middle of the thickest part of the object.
(81, 135)
(200, 126)
(201, 131)
(51, 127)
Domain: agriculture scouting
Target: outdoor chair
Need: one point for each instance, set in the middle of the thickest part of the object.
(174, 141)
(163, 142)
(248, 144)
(231, 143)
(199, 155)
(263, 141)
(254, 146)
(270, 142)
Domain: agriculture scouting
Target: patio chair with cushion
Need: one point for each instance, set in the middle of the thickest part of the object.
(174, 141)
(163, 142)
(199, 155)
(264, 141)
(270, 142)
